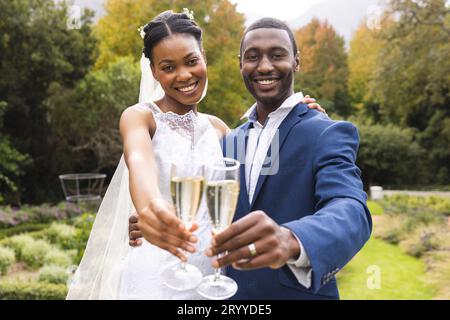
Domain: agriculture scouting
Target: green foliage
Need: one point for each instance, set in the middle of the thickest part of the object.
(323, 68)
(12, 163)
(375, 208)
(56, 257)
(34, 253)
(18, 243)
(53, 274)
(23, 228)
(412, 80)
(17, 290)
(389, 155)
(36, 50)
(84, 225)
(7, 258)
(85, 120)
(61, 234)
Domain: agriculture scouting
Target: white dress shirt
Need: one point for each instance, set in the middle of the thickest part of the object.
(259, 140)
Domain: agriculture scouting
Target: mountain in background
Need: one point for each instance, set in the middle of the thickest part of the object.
(344, 15)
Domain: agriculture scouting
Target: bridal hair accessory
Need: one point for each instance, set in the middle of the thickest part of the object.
(141, 31)
(190, 14)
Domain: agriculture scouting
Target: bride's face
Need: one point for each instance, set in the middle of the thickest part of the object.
(178, 63)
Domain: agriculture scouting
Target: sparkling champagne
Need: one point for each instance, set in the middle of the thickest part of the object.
(221, 198)
(186, 195)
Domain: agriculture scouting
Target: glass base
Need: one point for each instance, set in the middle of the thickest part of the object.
(217, 289)
(182, 279)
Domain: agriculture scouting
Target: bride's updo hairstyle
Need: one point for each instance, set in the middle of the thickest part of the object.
(166, 24)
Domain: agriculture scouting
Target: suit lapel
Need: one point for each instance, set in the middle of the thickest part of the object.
(294, 117)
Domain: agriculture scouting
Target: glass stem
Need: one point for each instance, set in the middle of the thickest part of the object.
(217, 275)
(217, 272)
(183, 263)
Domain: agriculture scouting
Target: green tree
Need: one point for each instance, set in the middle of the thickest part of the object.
(323, 67)
(363, 60)
(85, 120)
(389, 155)
(222, 25)
(412, 82)
(37, 49)
(12, 165)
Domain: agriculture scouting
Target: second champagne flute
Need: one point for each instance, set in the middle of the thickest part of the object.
(222, 192)
(186, 186)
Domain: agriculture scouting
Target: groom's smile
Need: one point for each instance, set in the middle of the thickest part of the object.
(268, 64)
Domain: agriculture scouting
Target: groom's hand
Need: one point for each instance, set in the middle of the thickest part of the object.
(158, 224)
(134, 233)
(273, 245)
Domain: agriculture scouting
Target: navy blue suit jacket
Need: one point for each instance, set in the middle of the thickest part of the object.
(316, 192)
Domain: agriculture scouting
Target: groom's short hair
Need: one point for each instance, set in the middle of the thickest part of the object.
(270, 23)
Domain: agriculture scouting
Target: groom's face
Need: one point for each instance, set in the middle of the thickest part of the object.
(268, 64)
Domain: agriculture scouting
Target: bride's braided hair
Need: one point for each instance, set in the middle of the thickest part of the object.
(166, 24)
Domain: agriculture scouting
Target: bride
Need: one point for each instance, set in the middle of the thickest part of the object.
(163, 128)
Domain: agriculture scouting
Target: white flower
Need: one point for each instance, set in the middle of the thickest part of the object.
(141, 31)
(190, 14)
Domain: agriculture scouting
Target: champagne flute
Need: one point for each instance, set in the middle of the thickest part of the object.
(222, 192)
(186, 186)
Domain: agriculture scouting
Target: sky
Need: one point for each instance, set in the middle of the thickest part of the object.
(285, 10)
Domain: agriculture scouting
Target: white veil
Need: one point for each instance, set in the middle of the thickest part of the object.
(99, 274)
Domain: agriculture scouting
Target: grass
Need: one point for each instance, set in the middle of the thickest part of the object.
(375, 208)
(402, 276)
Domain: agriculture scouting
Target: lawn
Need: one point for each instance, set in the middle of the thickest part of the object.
(402, 276)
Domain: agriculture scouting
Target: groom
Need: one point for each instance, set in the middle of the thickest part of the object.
(301, 214)
(302, 211)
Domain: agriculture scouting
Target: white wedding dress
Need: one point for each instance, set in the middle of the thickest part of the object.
(175, 137)
(110, 269)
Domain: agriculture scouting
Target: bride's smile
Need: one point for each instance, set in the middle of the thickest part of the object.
(179, 65)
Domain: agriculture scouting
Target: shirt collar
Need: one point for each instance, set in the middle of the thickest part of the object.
(290, 102)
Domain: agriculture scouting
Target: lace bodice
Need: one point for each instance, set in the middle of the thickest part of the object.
(176, 137)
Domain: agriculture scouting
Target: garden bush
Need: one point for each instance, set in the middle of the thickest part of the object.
(59, 258)
(17, 290)
(11, 217)
(53, 274)
(33, 254)
(18, 243)
(61, 234)
(425, 239)
(7, 258)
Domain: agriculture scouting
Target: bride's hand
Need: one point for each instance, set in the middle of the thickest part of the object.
(158, 224)
(312, 104)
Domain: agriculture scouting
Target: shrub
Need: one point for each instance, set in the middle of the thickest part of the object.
(424, 239)
(390, 228)
(53, 274)
(11, 217)
(61, 234)
(60, 258)
(18, 243)
(26, 227)
(15, 290)
(7, 258)
(33, 254)
(84, 225)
